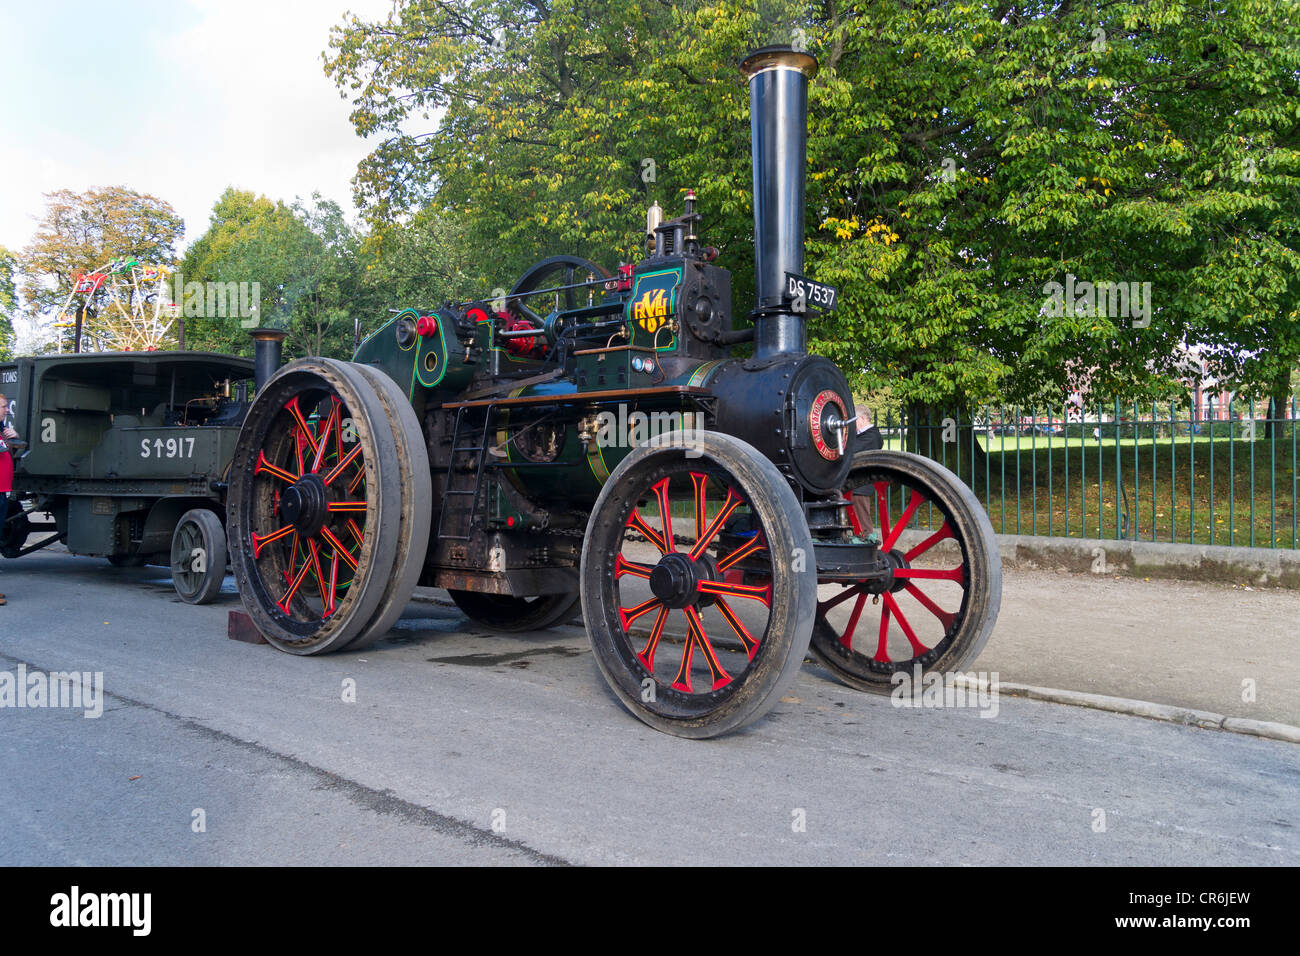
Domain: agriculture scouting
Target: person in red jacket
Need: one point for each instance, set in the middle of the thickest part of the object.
(7, 435)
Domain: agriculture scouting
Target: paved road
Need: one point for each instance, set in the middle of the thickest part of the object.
(463, 747)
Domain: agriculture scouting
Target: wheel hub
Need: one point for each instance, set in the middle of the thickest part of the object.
(304, 505)
(897, 562)
(675, 580)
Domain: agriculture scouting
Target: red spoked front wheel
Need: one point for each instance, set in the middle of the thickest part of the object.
(315, 510)
(939, 609)
(698, 584)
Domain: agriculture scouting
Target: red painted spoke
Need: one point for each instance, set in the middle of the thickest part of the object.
(701, 483)
(320, 575)
(728, 508)
(355, 483)
(340, 506)
(638, 523)
(840, 598)
(882, 648)
(943, 532)
(945, 618)
(623, 566)
(297, 451)
(903, 519)
(948, 574)
(356, 532)
(853, 513)
(338, 437)
(747, 639)
(630, 614)
(341, 551)
(917, 647)
(757, 592)
(260, 541)
(338, 469)
(322, 440)
(847, 639)
(882, 506)
(296, 412)
(265, 466)
(647, 656)
(332, 603)
(754, 544)
(665, 514)
(294, 586)
(696, 637)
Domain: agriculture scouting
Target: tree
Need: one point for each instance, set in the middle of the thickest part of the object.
(964, 160)
(303, 260)
(83, 231)
(7, 301)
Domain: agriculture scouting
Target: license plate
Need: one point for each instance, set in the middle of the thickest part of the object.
(804, 294)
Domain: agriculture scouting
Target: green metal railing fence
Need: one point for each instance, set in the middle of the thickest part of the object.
(1218, 474)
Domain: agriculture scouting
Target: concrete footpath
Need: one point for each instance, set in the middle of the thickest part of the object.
(1223, 650)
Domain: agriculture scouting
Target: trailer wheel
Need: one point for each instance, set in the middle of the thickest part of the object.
(502, 612)
(314, 510)
(14, 527)
(935, 618)
(698, 583)
(198, 557)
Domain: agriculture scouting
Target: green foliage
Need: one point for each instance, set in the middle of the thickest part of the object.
(961, 158)
(83, 231)
(303, 259)
(8, 298)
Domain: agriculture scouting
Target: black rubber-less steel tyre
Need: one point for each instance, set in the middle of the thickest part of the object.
(313, 514)
(415, 505)
(942, 605)
(698, 583)
(198, 557)
(500, 612)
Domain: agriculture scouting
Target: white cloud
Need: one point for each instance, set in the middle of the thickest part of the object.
(242, 99)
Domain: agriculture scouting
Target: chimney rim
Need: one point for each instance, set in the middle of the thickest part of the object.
(780, 56)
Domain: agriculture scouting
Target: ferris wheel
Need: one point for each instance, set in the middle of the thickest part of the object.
(123, 305)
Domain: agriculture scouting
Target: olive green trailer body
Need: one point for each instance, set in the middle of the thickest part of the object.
(119, 447)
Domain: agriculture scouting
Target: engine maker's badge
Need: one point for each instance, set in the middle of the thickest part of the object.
(825, 398)
(654, 300)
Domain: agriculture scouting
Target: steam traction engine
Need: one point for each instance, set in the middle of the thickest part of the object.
(587, 439)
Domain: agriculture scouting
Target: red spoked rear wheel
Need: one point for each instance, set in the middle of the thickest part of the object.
(698, 594)
(313, 513)
(943, 601)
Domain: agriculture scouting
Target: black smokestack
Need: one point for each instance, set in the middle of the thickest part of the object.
(778, 105)
(268, 346)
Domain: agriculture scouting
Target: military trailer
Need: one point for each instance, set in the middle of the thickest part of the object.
(590, 438)
(127, 453)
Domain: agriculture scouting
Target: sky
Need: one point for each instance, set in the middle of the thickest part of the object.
(175, 98)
